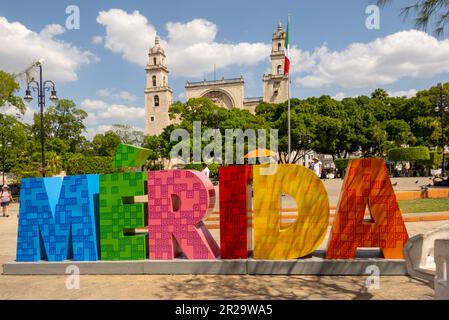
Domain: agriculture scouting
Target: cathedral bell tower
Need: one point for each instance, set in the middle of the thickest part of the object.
(158, 95)
(275, 85)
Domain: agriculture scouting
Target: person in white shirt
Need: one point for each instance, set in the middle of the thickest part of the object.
(206, 171)
(317, 166)
(6, 199)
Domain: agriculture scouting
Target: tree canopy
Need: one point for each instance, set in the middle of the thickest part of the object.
(361, 126)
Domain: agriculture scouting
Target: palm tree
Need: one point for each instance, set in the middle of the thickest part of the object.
(54, 163)
(426, 12)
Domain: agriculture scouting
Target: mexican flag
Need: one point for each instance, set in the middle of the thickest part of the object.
(287, 50)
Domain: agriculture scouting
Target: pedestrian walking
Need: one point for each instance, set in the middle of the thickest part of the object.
(317, 167)
(6, 199)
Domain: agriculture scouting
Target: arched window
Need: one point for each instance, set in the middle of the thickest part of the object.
(279, 69)
(164, 81)
(154, 81)
(156, 101)
(279, 46)
(154, 60)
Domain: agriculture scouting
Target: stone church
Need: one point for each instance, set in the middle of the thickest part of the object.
(228, 93)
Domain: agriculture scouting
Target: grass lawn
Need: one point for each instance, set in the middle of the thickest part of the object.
(424, 205)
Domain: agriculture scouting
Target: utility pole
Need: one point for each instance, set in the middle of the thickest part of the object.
(41, 87)
(442, 108)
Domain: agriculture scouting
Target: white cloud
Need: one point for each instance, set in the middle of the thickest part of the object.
(101, 129)
(302, 61)
(403, 93)
(102, 114)
(98, 130)
(191, 47)
(125, 95)
(128, 34)
(199, 58)
(104, 92)
(52, 30)
(97, 39)
(113, 94)
(383, 61)
(339, 96)
(27, 117)
(22, 46)
(195, 31)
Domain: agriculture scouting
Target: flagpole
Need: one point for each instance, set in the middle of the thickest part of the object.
(288, 92)
(289, 134)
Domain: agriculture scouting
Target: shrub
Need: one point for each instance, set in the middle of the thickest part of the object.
(193, 166)
(213, 167)
(434, 162)
(342, 163)
(409, 154)
(80, 164)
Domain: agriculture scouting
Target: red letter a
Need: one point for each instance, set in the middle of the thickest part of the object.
(367, 185)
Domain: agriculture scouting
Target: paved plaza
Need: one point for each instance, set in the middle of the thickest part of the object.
(212, 287)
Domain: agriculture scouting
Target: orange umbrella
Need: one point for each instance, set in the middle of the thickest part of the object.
(260, 153)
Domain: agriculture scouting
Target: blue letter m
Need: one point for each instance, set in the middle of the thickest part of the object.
(58, 219)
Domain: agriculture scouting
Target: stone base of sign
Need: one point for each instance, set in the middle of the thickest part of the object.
(357, 267)
(420, 256)
(442, 269)
(311, 265)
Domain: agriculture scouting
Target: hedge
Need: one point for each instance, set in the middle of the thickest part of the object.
(342, 163)
(435, 160)
(80, 164)
(194, 166)
(409, 154)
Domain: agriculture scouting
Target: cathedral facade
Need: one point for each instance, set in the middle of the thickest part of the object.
(228, 93)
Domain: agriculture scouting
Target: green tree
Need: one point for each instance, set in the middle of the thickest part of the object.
(105, 144)
(12, 143)
(12, 131)
(398, 131)
(128, 134)
(65, 122)
(53, 163)
(158, 147)
(8, 88)
(211, 116)
(379, 94)
(427, 131)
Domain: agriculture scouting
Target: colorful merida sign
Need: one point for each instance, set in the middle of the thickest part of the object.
(93, 217)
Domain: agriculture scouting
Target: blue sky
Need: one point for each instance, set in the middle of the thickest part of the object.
(334, 52)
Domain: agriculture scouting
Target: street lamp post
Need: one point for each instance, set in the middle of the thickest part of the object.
(41, 86)
(442, 108)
